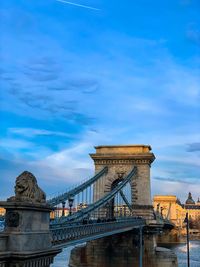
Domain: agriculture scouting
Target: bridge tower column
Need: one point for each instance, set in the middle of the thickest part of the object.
(120, 161)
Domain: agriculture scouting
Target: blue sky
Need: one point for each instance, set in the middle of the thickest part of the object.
(74, 77)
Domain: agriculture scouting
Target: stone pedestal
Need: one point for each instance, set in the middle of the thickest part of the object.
(120, 161)
(26, 240)
(27, 225)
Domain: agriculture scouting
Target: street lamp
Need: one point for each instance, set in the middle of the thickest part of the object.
(107, 210)
(141, 247)
(63, 208)
(162, 212)
(70, 200)
(188, 248)
(120, 212)
(124, 210)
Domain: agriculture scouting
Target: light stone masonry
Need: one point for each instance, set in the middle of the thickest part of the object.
(120, 161)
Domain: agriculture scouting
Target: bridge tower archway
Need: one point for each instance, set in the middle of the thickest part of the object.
(120, 160)
(117, 207)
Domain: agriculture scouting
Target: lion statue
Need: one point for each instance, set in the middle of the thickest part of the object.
(27, 189)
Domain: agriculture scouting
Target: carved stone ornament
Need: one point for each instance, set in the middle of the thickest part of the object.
(121, 171)
(122, 161)
(12, 219)
(27, 189)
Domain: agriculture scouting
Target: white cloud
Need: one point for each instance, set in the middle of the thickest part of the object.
(182, 84)
(130, 106)
(167, 140)
(70, 165)
(14, 143)
(175, 188)
(32, 132)
(192, 160)
(71, 158)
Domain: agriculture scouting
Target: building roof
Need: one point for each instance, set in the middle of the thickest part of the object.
(190, 206)
(190, 200)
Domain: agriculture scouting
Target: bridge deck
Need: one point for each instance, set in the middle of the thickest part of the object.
(71, 235)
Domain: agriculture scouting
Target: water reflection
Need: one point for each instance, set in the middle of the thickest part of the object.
(181, 251)
(62, 259)
(192, 246)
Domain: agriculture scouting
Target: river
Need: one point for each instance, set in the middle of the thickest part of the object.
(181, 252)
(62, 259)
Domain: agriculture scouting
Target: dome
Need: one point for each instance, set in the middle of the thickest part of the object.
(189, 200)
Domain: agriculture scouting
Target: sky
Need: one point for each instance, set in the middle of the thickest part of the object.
(95, 72)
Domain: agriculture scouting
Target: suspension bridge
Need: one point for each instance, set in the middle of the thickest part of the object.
(117, 199)
(106, 216)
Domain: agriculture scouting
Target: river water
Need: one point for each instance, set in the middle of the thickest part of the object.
(181, 252)
(62, 259)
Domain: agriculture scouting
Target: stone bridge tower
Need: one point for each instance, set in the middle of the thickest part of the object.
(120, 161)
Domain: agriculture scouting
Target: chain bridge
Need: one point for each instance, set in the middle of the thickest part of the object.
(109, 202)
(115, 201)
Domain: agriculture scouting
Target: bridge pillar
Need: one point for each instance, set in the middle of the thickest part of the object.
(120, 161)
(123, 250)
(26, 239)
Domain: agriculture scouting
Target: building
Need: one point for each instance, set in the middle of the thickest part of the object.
(177, 210)
(2, 211)
(58, 212)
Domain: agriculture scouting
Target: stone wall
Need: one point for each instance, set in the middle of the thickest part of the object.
(120, 161)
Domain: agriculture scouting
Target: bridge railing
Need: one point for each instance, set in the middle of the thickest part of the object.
(69, 233)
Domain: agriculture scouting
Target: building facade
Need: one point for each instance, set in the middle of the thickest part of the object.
(2, 211)
(177, 212)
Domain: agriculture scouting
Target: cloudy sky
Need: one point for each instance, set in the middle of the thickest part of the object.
(98, 72)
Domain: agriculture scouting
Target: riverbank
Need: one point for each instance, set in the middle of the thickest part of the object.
(177, 236)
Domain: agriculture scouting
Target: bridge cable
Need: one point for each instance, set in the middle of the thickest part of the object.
(83, 213)
(126, 200)
(71, 193)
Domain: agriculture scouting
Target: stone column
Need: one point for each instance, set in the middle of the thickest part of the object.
(120, 161)
(26, 239)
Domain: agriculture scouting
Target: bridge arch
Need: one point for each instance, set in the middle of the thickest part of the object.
(117, 206)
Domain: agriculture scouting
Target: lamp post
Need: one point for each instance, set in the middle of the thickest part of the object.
(141, 248)
(120, 212)
(70, 200)
(63, 208)
(161, 212)
(124, 211)
(107, 210)
(188, 248)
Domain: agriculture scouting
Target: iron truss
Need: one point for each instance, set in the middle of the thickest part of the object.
(71, 235)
